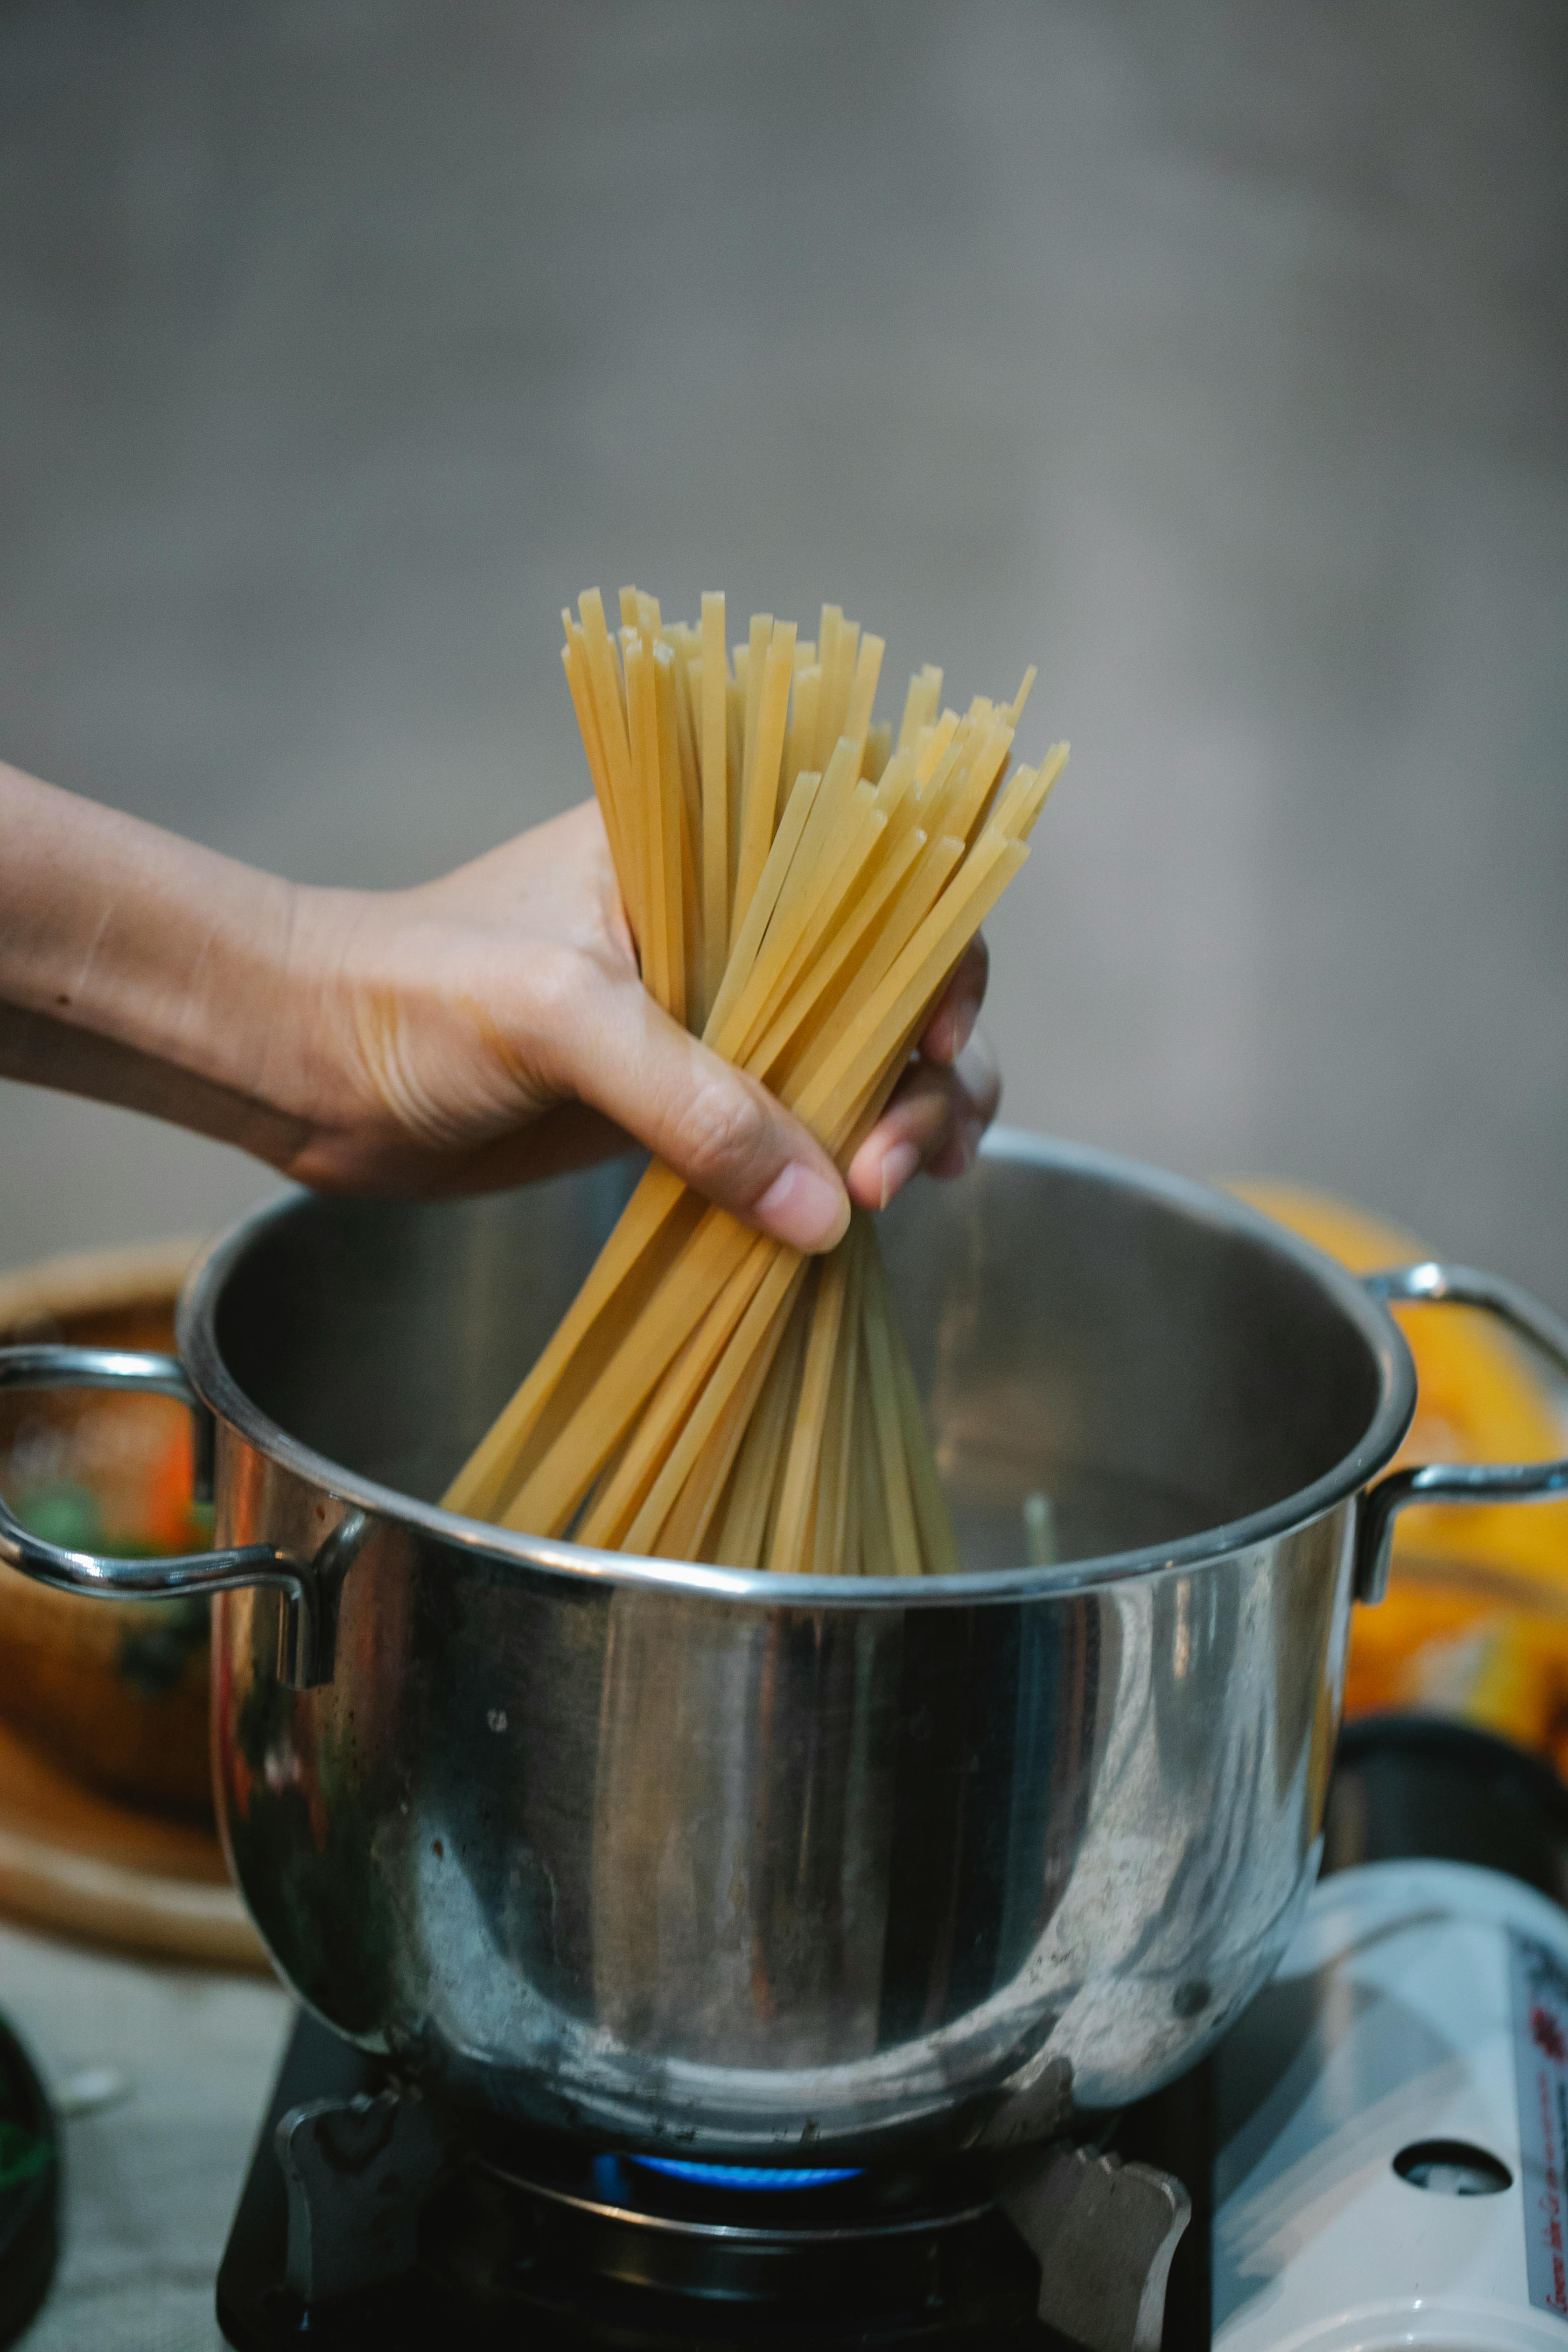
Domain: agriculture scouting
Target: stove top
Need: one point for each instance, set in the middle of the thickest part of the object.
(362, 2223)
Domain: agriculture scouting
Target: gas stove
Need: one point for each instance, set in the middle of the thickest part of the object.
(364, 2220)
(1374, 2157)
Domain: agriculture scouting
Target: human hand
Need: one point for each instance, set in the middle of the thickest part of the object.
(462, 1036)
(489, 1027)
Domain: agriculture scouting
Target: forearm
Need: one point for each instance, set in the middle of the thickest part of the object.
(473, 1032)
(141, 968)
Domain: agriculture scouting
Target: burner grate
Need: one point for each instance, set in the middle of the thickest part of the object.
(568, 2251)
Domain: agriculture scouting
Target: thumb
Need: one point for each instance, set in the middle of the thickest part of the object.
(720, 1131)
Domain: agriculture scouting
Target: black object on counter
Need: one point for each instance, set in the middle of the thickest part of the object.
(1414, 1788)
(29, 2188)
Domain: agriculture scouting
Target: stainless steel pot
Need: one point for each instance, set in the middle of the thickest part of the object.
(673, 1856)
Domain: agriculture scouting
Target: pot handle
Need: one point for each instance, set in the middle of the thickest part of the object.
(1456, 1482)
(224, 1570)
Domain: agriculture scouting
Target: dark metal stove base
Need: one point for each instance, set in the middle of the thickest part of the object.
(529, 2289)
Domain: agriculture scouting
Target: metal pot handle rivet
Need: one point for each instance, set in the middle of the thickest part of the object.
(1456, 1482)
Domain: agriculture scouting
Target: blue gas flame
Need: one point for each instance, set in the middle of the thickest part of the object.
(749, 2175)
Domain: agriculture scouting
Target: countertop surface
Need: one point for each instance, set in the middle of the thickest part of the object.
(153, 2173)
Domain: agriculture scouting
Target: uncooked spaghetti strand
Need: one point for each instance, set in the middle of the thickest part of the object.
(669, 1409)
(1026, 793)
(608, 1386)
(575, 661)
(875, 1544)
(935, 749)
(829, 853)
(801, 749)
(897, 1514)
(939, 1550)
(920, 705)
(749, 660)
(735, 769)
(684, 644)
(856, 1439)
(789, 1544)
(969, 798)
(752, 929)
(1007, 809)
(674, 849)
(862, 1101)
(830, 1550)
(914, 981)
(655, 1225)
(543, 1504)
(743, 1343)
(939, 861)
(682, 649)
(692, 1523)
(860, 919)
(879, 750)
(863, 975)
(760, 789)
(827, 633)
(642, 727)
(952, 735)
(609, 704)
(687, 1529)
(1014, 709)
(774, 982)
(741, 1531)
(940, 790)
(863, 854)
(837, 681)
(807, 895)
(715, 799)
(839, 780)
(863, 693)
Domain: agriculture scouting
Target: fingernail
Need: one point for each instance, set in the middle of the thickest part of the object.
(898, 1166)
(963, 1020)
(804, 1209)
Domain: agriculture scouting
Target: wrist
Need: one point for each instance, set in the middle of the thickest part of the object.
(307, 1066)
(147, 971)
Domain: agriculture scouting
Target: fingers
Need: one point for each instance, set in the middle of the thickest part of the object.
(935, 1119)
(952, 1023)
(726, 1135)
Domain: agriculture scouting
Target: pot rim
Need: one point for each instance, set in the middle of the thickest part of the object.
(1390, 1420)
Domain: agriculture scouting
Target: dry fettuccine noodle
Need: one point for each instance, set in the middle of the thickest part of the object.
(800, 889)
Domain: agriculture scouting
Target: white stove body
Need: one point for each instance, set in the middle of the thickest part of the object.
(1420, 2003)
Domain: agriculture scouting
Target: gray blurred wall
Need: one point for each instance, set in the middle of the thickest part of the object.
(1212, 355)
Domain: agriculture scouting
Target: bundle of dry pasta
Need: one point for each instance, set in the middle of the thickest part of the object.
(800, 889)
